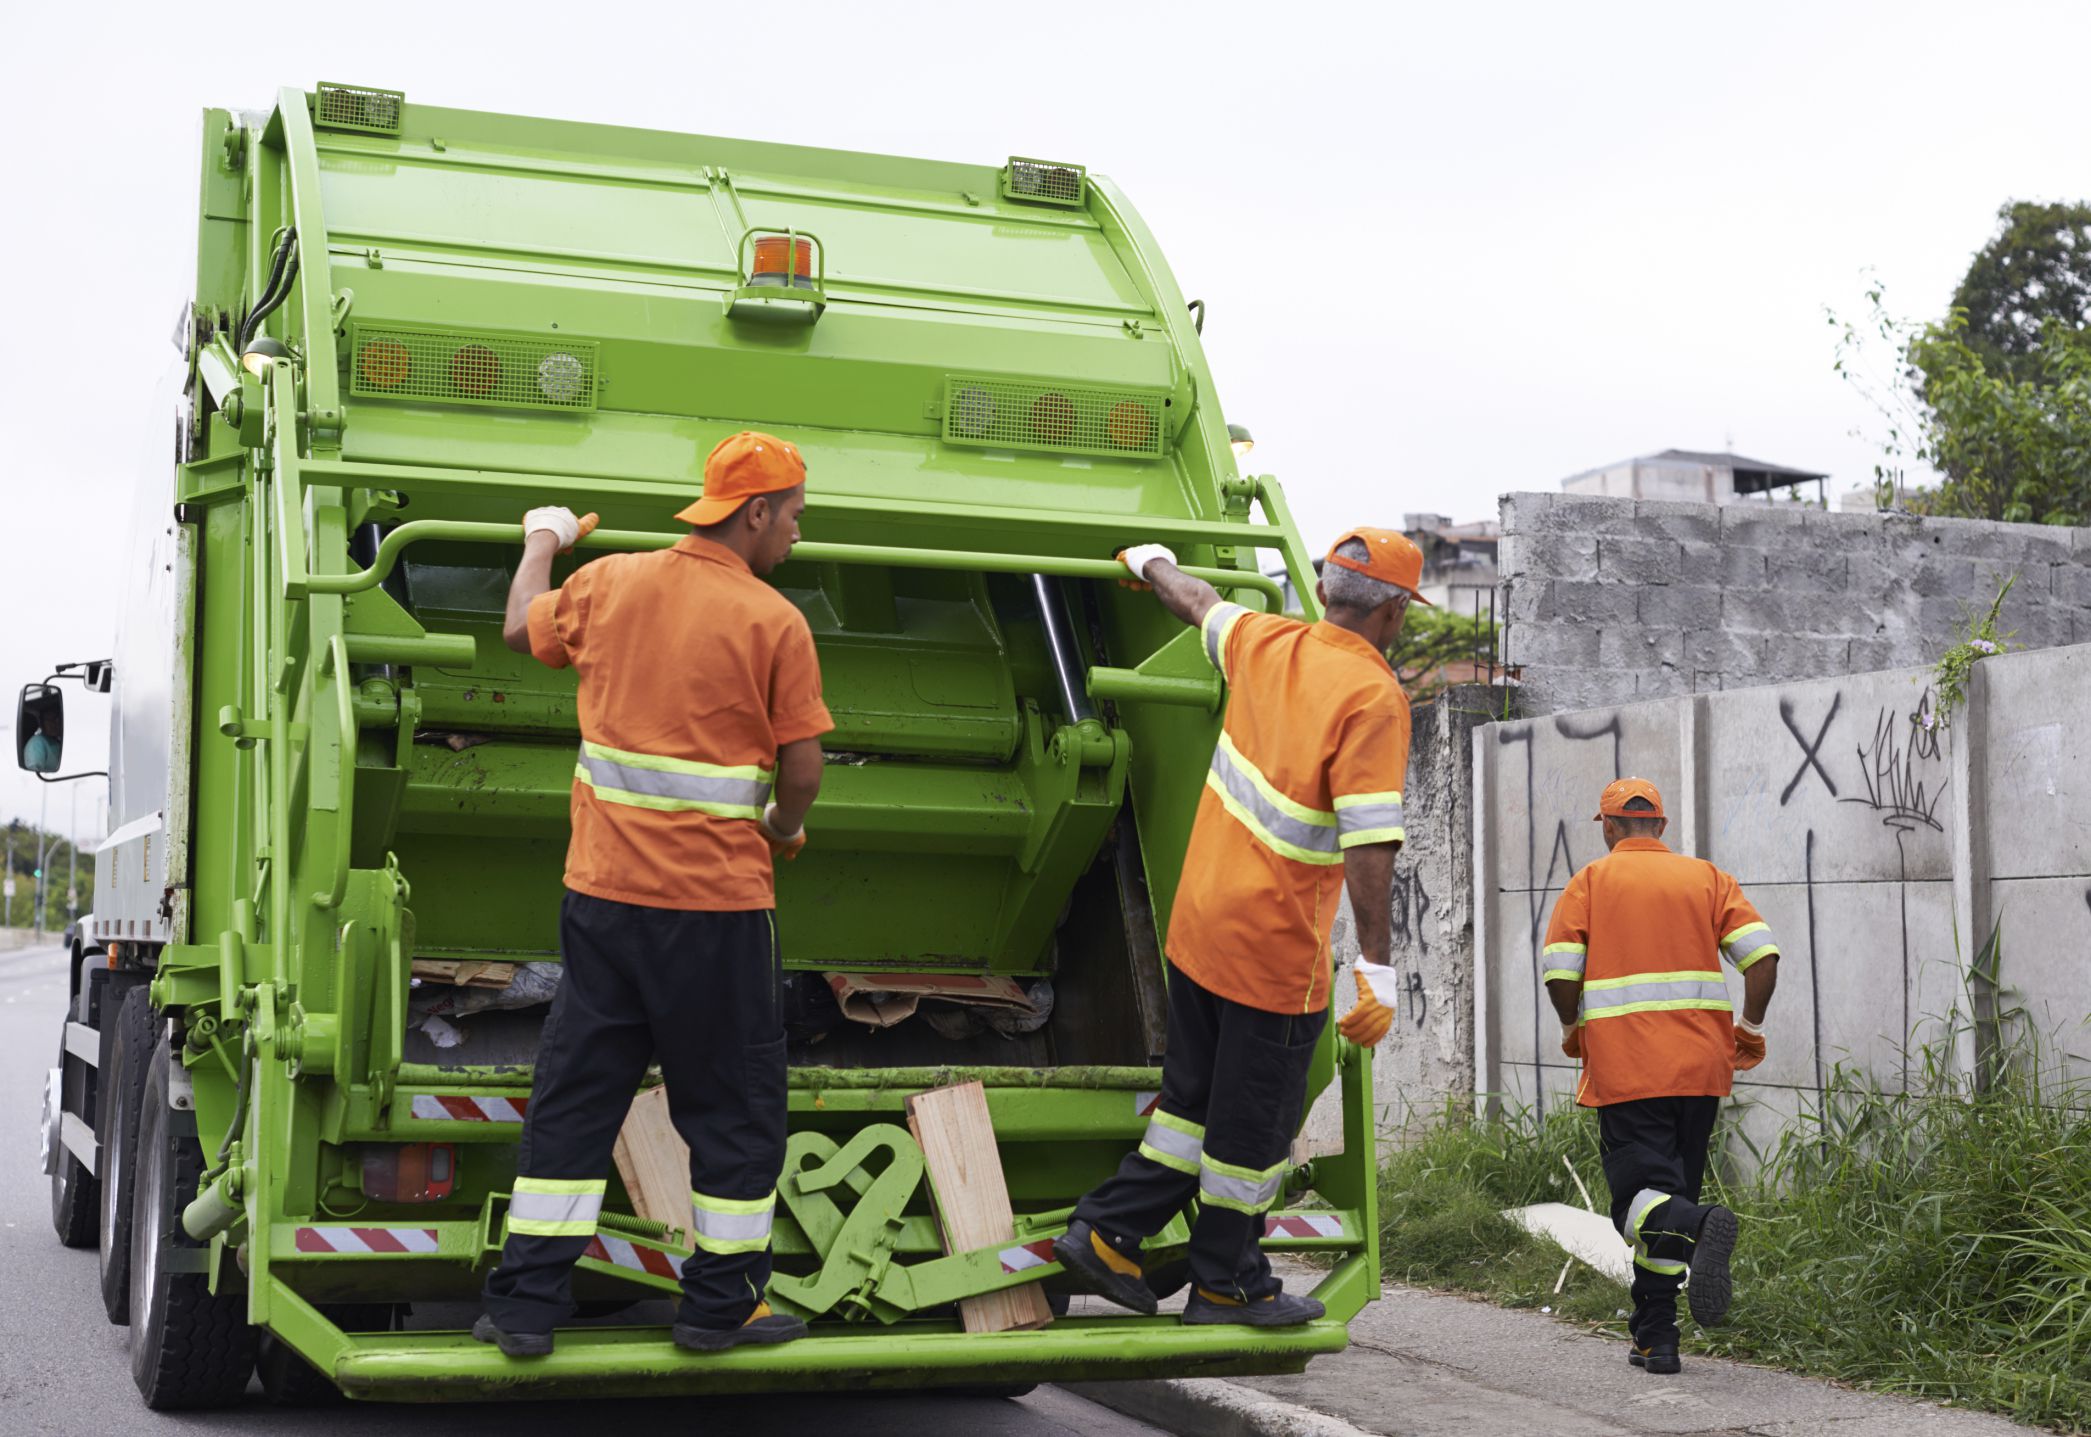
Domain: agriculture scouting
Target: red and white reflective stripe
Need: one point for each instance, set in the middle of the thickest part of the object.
(1302, 1224)
(1144, 1104)
(604, 1247)
(455, 1108)
(1030, 1255)
(366, 1239)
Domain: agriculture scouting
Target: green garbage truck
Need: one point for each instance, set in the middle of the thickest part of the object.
(292, 1076)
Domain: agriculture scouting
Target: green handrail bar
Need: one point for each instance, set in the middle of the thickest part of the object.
(458, 530)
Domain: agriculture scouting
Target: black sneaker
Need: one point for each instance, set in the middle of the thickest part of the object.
(1280, 1309)
(1661, 1358)
(512, 1344)
(1102, 1269)
(1710, 1287)
(762, 1328)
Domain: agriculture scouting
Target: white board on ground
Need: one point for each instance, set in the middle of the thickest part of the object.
(1580, 1233)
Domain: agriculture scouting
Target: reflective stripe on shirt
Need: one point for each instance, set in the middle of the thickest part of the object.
(1564, 960)
(1281, 824)
(1749, 943)
(1369, 818)
(1220, 620)
(651, 781)
(1654, 992)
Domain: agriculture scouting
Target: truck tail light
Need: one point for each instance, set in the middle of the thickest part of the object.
(409, 1172)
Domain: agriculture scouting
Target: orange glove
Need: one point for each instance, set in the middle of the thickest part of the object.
(1749, 1045)
(1367, 1023)
(1572, 1039)
(782, 845)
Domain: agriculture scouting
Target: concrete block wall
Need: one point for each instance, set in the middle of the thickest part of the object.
(1874, 837)
(1607, 601)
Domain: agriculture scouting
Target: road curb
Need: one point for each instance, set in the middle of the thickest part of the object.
(1208, 1407)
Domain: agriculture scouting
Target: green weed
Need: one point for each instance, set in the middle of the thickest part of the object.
(1934, 1243)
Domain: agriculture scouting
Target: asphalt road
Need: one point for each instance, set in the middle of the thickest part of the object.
(64, 1369)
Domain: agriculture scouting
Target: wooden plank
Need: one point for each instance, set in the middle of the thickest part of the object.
(464, 972)
(957, 1138)
(654, 1161)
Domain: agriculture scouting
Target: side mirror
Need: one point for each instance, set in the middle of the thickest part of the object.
(40, 728)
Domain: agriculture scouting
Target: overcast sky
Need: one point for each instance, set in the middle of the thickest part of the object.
(1574, 233)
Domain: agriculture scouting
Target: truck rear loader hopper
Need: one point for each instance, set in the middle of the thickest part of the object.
(326, 767)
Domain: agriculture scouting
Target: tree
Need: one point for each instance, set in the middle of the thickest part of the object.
(2036, 270)
(1997, 395)
(1433, 641)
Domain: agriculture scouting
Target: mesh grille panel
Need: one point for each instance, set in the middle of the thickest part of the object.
(462, 367)
(357, 107)
(1020, 414)
(1044, 181)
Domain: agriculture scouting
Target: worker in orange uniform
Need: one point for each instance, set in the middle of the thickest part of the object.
(701, 714)
(1633, 967)
(1303, 798)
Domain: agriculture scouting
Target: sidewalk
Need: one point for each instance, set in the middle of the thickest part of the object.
(1424, 1364)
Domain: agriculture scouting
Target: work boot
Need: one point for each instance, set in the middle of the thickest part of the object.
(763, 1327)
(512, 1344)
(1280, 1309)
(1660, 1357)
(1710, 1287)
(1102, 1269)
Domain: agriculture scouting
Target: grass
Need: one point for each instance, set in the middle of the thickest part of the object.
(1935, 1244)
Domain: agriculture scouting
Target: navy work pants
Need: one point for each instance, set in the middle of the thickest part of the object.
(1654, 1153)
(700, 993)
(1234, 1087)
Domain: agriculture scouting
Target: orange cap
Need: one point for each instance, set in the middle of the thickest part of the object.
(742, 466)
(1612, 804)
(1390, 556)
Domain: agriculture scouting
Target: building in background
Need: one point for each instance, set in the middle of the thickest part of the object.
(1696, 478)
(1459, 560)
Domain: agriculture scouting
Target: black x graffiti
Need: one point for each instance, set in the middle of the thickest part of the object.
(1809, 750)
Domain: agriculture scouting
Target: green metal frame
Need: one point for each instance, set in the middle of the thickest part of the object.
(327, 855)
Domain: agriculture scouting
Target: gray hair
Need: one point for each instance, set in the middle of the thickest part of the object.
(1349, 589)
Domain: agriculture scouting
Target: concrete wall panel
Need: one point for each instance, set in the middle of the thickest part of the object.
(2038, 794)
(2046, 966)
(1860, 763)
(1549, 773)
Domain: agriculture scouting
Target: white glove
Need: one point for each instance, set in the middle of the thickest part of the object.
(1747, 1026)
(556, 521)
(1140, 556)
(772, 831)
(1384, 980)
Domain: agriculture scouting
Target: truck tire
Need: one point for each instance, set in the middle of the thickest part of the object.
(290, 1381)
(190, 1347)
(74, 1192)
(123, 1087)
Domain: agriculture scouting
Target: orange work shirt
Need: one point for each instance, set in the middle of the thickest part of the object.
(1310, 762)
(693, 673)
(1644, 931)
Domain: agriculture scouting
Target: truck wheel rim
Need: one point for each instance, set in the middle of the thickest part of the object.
(48, 1156)
(148, 1235)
